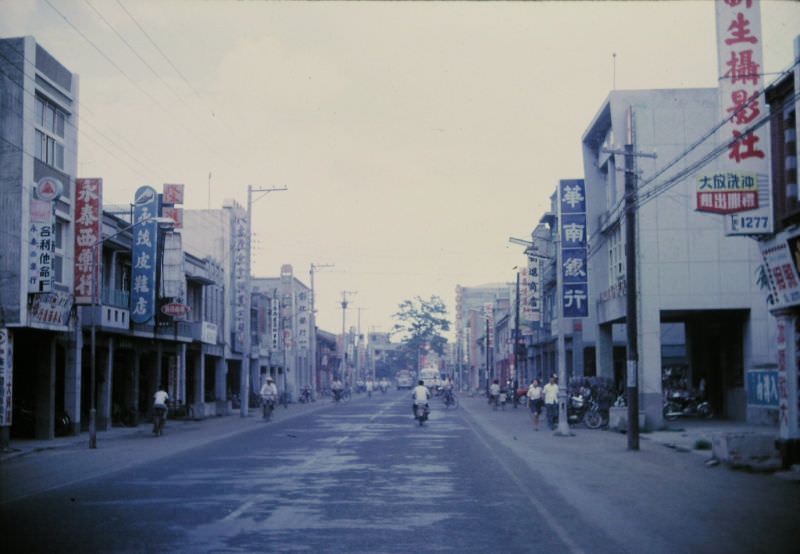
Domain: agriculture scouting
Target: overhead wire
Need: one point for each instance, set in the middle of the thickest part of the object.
(139, 87)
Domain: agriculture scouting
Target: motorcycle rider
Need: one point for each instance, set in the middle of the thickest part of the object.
(336, 388)
(494, 393)
(420, 394)
(160, 399)
(269, 393)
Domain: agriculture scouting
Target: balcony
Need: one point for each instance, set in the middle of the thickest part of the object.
(116, 298)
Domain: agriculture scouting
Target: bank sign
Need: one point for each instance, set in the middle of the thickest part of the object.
(572, 228)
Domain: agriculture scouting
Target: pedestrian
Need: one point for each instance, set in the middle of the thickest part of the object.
(494, 394)
(535, 402)
(550, 391)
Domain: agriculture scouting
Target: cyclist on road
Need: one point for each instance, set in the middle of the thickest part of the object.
(160, 399)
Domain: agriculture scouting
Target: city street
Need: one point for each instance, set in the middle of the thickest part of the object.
(363, 477)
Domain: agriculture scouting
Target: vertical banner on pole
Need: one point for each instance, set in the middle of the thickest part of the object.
(572, 226)
(88, 224)
(145, 242)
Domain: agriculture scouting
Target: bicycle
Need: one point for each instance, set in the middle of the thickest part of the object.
(267, 407)
(159, 418)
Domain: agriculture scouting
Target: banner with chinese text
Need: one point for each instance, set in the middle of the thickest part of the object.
(144, 251)
(747, 206)
(88, 222)
(572, 229)
(42, 246)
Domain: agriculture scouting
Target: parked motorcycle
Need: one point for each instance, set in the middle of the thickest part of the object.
(681, 403)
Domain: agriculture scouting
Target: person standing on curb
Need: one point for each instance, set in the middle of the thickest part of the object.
(551, 402)
(535, 402)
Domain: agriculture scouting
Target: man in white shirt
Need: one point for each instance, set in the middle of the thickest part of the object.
(494, 394)
(550, 391)
(160, 399)
(420, 394)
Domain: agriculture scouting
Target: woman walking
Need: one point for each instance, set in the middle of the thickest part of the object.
(535, 402)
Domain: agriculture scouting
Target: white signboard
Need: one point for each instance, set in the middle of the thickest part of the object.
(42, 246)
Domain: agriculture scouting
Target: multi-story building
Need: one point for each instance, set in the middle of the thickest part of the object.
(290, 329)
(380, 350)
(473, 306)
(38, 131)
(689, 273)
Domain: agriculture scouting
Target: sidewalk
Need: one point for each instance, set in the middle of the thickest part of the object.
(693, 436)
(211, 428)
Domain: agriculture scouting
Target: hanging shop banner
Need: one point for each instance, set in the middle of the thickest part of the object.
(173, 194)
(530, 285)
(240, 264)
(303, 320)
(779, 275)
(488, 313)
(741, 189)
(145, 242)
(6, 376)
(42, 246)
(175, 214)
(88, 221)
(50, 308)
(572, 227)
(275, 322)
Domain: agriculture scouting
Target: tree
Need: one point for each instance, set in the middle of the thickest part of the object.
(420, 324)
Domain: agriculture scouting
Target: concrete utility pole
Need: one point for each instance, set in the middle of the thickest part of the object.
(311, 271)
(244, 374)
(631, 307)
(516, 357)
(344, 303)
(563, 424)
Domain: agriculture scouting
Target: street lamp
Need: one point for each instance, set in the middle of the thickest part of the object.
(162, 222)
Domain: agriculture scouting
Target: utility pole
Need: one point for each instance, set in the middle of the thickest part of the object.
(563, 424)
(244, 374)
(486, 343)
(344, 303)
(515, 376)
(631, 307)
(314, 267)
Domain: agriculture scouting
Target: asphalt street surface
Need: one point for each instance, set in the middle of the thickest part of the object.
(363, 477)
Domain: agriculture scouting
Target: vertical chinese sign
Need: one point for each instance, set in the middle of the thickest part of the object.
(303, 321)
(572, 229)
(173, 194)
(42, 235)
(145, 242)
(741, 189)
(240, 265)
(530, 285)
(275, 321)
(488, 313)
(88, 211)
(6, 376)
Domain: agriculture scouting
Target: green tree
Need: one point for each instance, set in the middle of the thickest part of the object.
(420, 323)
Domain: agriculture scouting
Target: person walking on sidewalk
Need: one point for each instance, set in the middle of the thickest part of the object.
(160, 399)
(535, 401)
(551, 402)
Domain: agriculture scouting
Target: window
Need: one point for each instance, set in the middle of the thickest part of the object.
(616, 255)
(49, 146)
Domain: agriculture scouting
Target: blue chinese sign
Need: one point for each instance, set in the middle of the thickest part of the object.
(572, 227)
(143, 287)
(762, 388)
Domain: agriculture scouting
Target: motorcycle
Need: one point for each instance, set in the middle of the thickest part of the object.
(267, 407)
(305, 395)
(584, 409)
(680, 403)
(421, 412)
(449, 399)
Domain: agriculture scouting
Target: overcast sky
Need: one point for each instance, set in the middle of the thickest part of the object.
(414, 138)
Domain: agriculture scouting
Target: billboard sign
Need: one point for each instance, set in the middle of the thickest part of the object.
(144, 253)
(740, 63)
(762, 388)
(572, 229)
(41, 246)
(88, 224)
(779, 272)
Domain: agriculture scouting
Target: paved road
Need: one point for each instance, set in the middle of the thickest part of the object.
(361, 477)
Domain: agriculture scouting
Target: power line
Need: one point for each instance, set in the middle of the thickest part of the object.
(135, 84)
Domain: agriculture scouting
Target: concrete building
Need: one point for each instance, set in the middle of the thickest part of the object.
(291, 329)
(689, 273)
(380, 351)
(471, 304)
(38, 132)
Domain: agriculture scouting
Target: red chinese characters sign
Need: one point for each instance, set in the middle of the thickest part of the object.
(726, 192)
(88, 220)
(740, 63)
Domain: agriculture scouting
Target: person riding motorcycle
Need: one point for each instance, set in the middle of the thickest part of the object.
(420, 394)
(337, 387)
(269, 393)
(494, 393)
